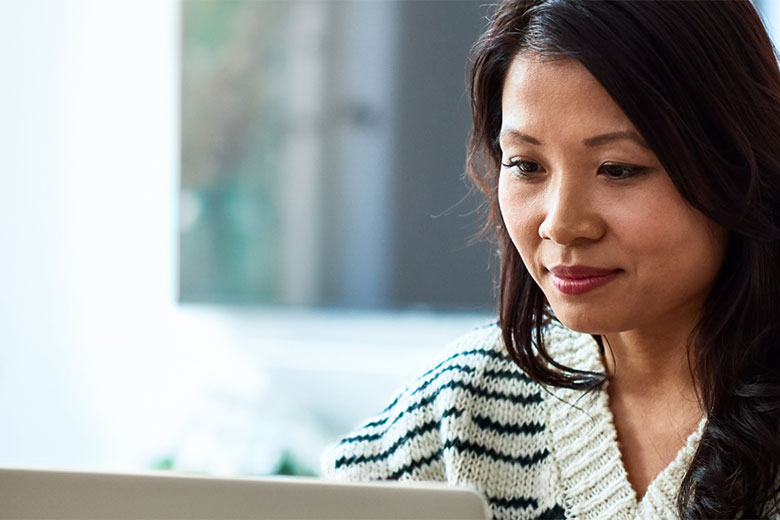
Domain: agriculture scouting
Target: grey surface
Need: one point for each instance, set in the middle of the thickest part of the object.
(26, 494)
(434, 263)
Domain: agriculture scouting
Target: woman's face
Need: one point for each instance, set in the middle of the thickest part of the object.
(591, 210)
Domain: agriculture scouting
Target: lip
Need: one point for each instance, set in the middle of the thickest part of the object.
(579, 279)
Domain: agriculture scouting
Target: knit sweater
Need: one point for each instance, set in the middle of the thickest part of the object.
(535, 452)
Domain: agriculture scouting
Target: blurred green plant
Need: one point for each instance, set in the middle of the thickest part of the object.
(165, 463)
(288, 464)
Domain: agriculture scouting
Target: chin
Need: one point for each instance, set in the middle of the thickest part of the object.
(587, 322)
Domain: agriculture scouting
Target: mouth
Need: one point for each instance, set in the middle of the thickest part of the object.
(579, 279)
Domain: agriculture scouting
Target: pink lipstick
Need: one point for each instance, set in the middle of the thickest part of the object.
(579, 279)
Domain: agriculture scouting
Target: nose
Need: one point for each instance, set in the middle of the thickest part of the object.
(570, 213)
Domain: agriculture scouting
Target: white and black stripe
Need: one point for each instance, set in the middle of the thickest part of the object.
(476, 408)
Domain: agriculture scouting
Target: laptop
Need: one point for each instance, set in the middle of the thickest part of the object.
(27, 494)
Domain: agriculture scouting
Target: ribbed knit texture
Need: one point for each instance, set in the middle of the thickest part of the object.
(476, 419)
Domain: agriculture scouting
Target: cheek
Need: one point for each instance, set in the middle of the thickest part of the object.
(665, 234)
(519, 212)
(656, 219)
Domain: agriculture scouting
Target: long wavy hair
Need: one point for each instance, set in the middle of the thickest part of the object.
(700, 81)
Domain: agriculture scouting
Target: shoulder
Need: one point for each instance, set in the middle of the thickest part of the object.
(484, 349)
(471, 353)
(409, 437)
(476, 366)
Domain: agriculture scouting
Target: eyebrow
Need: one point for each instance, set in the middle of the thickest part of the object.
(597, 140)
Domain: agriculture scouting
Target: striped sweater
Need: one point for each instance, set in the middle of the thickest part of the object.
(476, 419)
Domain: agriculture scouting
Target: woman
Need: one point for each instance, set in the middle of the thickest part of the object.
(630, 154)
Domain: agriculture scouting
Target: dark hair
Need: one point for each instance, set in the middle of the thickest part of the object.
(700, 82)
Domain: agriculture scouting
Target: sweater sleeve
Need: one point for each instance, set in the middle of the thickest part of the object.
(406, 441)
(399, 443)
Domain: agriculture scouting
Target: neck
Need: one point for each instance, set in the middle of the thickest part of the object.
(649, 366)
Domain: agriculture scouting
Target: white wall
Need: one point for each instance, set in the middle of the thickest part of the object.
(88, 133)
(770, 11)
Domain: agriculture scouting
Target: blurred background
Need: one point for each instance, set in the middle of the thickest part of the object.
(323, 150)
(230, 230)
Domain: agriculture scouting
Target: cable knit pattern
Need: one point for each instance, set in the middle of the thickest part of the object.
(476, 419)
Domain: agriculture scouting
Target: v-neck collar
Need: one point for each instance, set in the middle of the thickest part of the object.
(585, 451)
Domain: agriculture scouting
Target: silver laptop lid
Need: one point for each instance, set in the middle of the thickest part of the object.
(27, 494)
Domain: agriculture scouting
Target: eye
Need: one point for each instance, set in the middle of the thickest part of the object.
(620, 171)
(522, 167)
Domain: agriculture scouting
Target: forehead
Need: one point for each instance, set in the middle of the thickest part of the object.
(552, 95)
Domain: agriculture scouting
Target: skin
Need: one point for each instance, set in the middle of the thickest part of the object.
(579, 186)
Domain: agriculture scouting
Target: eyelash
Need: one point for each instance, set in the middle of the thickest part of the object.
(516, 162)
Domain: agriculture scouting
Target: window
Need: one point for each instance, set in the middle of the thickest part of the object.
(323, 153)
